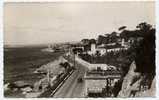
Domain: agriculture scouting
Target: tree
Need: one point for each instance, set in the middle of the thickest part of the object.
(98, 54)
(65, 65)
(102, 40)
(145, 53)
(92, 41)
(122, 28)
(117, 87)
(113, 36)
(85, 41)
(144, 26)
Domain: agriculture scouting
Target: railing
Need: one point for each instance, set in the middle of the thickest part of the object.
(104, 72)
(59, 80)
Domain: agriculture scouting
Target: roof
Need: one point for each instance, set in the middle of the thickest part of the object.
(114, 46)
(95, 86)
(103, 66)
(109, 46)
(92, 41)
(102, 75)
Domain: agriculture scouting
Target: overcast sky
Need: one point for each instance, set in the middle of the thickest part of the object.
(40, 23)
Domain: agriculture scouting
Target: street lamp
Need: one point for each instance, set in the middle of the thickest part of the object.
(74, 52)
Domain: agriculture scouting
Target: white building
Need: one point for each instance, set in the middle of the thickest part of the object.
(102, 51)
(101, 66)
(116, 49)
(94, 49)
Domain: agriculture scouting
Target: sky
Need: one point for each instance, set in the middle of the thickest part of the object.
(42, 23)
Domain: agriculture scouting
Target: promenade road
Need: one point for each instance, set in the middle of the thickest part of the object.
(72, 88)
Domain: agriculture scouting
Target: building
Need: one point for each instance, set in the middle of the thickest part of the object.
(101, 50)
(99, 83)
(101, 67)
(110, 47)
(116, 49)
(77, 48)
(94, 49)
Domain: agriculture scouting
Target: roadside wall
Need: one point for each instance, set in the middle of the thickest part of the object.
(93, 66)
(82, 62)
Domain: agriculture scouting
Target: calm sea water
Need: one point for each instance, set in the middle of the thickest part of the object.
(20, 63)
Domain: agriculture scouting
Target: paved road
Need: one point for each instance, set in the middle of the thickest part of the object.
(72, 88)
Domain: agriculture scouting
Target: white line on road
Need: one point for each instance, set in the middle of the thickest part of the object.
(61, 84)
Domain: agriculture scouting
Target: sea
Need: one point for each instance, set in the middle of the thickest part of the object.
(21, 62)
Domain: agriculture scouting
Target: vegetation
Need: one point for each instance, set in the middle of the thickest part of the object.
(142, 50)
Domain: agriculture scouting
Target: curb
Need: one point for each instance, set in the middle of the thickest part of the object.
(58, 87)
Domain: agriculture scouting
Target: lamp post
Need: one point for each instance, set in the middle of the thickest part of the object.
(74, 60)
(74, 53)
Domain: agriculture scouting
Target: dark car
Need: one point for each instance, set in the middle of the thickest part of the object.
(80, 80)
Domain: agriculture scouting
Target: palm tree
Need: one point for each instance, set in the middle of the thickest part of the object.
(122, 28)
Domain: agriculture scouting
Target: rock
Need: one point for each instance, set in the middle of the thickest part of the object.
(20, 84)
(15, 89)
(33, 94)
(127, 86)
(150, 92)
(6, 86)
(132, 82)
(24, 92)
(40, 71)
(37, 85)
(26, 89)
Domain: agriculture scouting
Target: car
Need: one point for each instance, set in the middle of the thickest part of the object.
(80, 80)
(74, 68)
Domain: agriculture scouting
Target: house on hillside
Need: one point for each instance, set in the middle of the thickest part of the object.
(116, 47)
(129, 37)
(92, 44)
(101, 50)
(104, 48)
(94, 49)
(108, 43)
(77, 48)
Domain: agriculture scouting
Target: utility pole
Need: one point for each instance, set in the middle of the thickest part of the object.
(74, 53)
(48, 78)
(74, 60)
